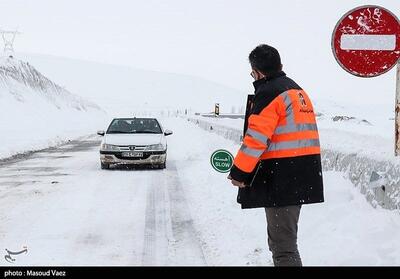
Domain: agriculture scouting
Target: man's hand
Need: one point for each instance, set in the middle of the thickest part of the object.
(236, 183)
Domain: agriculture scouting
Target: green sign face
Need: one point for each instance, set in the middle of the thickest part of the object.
(222, 160)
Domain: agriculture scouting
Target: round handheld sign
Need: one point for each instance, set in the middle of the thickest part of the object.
(222, 160)
(366, 41)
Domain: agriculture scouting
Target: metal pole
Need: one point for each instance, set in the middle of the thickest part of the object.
(397, 112)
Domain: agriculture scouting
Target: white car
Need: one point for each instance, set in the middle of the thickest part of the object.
(134, 141)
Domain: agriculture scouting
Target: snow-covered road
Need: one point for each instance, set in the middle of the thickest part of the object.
(67, 211)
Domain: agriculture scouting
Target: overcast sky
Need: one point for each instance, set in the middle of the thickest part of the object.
(207, 38)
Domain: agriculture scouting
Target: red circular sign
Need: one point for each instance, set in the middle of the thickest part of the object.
(366, 41)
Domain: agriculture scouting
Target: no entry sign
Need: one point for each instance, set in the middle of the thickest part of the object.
(366, 41)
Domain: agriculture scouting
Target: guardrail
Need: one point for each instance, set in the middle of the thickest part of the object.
(379, 181)
(224, 115)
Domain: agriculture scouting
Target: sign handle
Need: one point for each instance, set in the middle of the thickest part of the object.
(397, 112)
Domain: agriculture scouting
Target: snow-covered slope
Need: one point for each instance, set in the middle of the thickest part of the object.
(125, 90)
(35, 112)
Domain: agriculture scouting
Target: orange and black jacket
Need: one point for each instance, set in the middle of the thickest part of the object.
(280, 155)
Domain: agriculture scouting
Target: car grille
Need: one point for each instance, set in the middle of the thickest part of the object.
(146, 155)
(132, 148)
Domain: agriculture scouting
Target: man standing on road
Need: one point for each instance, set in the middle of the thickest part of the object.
(278, 166)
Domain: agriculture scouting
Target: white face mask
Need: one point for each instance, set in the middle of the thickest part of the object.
(256, 75)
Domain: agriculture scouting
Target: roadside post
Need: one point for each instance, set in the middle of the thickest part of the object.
(216, 110)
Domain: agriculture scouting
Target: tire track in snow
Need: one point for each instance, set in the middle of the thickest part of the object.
(149, 246)
(156, 240)
(186, 245)
(170, 237)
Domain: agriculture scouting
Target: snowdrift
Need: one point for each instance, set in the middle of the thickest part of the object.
(37, 113)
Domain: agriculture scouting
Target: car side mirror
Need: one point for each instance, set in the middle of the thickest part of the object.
(168, 132)
(101, 133)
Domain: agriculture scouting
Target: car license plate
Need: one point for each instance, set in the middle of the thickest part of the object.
(132, 154)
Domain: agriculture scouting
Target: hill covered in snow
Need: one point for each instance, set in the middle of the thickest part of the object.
(123, 90)
(36, 112)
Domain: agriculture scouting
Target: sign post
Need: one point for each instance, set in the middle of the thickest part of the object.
(366, 43)
(397, 112)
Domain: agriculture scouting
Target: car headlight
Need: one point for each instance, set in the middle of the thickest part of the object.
(109, 147)
(155, 147)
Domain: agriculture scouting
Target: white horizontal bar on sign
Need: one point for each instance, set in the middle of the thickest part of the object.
(368, 42)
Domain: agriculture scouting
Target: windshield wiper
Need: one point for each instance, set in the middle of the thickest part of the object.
(118, 132)
(147, 132)
(134, 132)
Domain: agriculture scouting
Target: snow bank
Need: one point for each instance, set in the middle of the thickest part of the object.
(366, 161)
(36, 113)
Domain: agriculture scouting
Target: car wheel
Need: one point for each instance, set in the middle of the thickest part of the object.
(105, 166)
(163, 165)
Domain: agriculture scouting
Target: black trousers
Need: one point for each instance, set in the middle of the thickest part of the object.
(282, 234)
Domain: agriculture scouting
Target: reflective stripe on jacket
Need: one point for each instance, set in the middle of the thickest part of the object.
(285, 128)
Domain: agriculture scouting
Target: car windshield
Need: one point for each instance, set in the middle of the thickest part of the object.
(134, 126)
